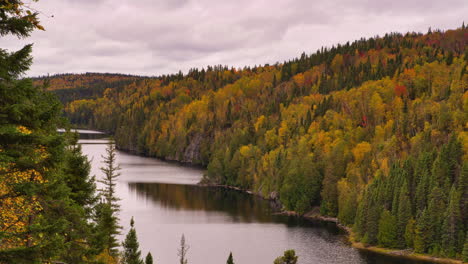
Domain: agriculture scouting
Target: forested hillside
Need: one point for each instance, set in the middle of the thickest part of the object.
(373, 132)
(70, 87)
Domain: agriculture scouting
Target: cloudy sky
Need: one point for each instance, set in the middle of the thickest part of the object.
(153, 37)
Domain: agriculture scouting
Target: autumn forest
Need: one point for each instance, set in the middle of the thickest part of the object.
(372, 132)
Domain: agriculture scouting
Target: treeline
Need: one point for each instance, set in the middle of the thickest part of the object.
(372, 132)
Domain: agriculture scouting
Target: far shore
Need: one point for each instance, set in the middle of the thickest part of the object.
(316, 216)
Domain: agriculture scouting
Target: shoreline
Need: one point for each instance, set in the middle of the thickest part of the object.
(314, 216)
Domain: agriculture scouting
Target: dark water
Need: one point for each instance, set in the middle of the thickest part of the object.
(166, 203)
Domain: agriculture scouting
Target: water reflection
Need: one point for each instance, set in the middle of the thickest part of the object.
(240, 207)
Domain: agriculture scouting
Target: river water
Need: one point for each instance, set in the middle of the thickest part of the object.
(166, 203)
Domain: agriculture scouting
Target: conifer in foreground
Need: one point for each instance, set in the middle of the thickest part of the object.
(230, 259)
(131, 253)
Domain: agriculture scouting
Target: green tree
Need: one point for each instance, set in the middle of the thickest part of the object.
(230, 259)
(82, 201)
(387, 235)
(111, 174)
(409, 233)
(76, 170)
(289, 257)
(465, 250)
(149, 258)
(107, 227)
(403, 215)
(131, 250)
(452, 228)
(422, 233)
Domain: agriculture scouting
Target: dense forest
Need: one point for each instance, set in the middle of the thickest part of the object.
(373, 132)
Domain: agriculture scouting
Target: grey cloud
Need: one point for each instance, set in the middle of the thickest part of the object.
(152, 37)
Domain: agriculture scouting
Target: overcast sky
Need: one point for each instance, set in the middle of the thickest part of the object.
(153, 37)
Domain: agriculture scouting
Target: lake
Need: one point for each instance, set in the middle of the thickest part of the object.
(166, 203)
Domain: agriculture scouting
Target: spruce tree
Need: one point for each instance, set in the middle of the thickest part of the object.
(465, 249)
(230, 259)
(403, 215)
(373, 216)
(131, 253)
(452, 227)
(422, 238)
(387, 235)
(107, 227)
(435, 219)
(149, 258)
(111, 174)
(409, 233)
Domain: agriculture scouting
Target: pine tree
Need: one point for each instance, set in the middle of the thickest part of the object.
(131, 253)
(230, 259)
(149, 258)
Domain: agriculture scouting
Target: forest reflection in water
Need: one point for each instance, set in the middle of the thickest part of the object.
(240, 207)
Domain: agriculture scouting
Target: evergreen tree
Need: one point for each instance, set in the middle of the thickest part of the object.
(111, 174)
(465, 249)
(403, 215)
(387, 235)
(289, 257)
(149, 258)
(76, 169)
(435, 219)
(107, 227)
(409, 233)
(373, 216)
(131, 253)
(452, 228)
(230, 259)
(422, 238)
(79, 211)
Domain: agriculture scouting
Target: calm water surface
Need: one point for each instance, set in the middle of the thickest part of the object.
(166, 203)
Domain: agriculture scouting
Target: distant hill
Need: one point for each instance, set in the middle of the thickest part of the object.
(70, 87)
